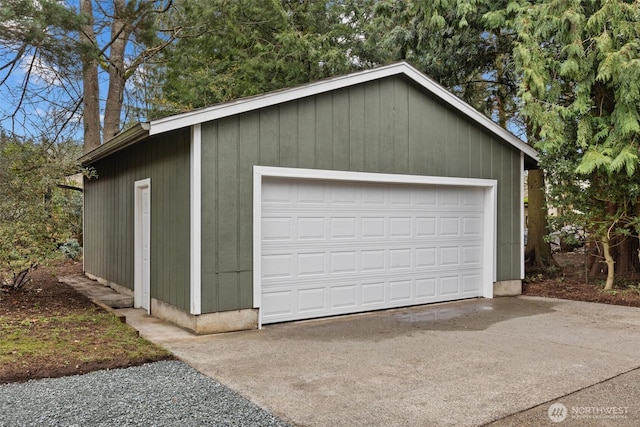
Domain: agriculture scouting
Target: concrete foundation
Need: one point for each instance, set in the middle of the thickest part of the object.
(507, 288)
(209, 323)
(246, 319)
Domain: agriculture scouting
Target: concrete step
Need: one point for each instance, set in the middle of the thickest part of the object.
(98, 292)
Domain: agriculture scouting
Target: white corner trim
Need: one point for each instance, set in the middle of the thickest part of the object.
(521, 204)
(257, 240)
(137, 242)
(195, 177)
(490, 208)
(491, 239)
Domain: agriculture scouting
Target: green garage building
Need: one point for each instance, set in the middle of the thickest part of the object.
(369, 191)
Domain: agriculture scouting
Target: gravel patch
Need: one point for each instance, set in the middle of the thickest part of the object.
(167, 393)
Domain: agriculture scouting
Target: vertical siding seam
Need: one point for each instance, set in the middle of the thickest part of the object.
(296, 114)
(347, 130)
(379, 138)
(216, 208)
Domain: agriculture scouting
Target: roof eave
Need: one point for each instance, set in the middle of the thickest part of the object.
(128, 137)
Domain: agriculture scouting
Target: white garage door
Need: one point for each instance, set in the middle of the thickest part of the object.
(332, 247)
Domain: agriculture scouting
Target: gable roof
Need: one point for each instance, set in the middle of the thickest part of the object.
(243, 105)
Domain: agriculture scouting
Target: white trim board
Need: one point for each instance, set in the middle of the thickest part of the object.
(490, 207)
(195, 249)
(137, 256)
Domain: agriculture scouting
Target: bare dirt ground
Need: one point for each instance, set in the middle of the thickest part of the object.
(569, 281)
(50, 330)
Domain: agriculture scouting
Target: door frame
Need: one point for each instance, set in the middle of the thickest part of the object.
(143, 184)
(490, 187)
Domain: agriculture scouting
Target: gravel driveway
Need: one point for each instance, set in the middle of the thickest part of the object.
(158, 394)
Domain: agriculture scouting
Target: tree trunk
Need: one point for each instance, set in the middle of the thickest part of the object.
(610, 263)
(537, 252)
(91, 94)
(624, 250)
(117, 79)
(594, 259)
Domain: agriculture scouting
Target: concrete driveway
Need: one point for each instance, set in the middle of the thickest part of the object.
(465, 363)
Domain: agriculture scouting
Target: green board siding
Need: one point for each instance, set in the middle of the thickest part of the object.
(109, 216)
(386, 126)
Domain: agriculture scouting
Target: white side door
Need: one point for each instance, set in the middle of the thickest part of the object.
(142, 280)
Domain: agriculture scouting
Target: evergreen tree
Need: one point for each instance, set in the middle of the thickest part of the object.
(247, 47)
(580, 89)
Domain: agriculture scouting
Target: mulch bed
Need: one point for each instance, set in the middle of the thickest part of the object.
(43, 298)
(570, 281)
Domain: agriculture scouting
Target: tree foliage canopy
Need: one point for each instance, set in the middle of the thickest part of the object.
(36, 216)
(580, 91)
(246, 47)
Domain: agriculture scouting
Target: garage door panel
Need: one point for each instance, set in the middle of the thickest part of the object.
(400, 196)
(449, 197)
(400, 290)
(311, 264)
(372, 260)
(277, 266)
(371, 195)
(473, 199)
(373, 293)
(471, 283)
(450, 226)
(449, 256)
(277, 228)
(334, 248)
(314, 194)
(373, 227)
(342, 262)
(342, 193)
(277, 303)
(426, 226)
(425, 288)
(278, 192)
(471, 255)
(450, 285)
(343, 296)
(343, 227)
(311, 228)
(310, 300)
(472, 226)
(425, 257)
(400, 258)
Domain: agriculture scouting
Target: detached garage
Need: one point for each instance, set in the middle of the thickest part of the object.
(375, 190)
